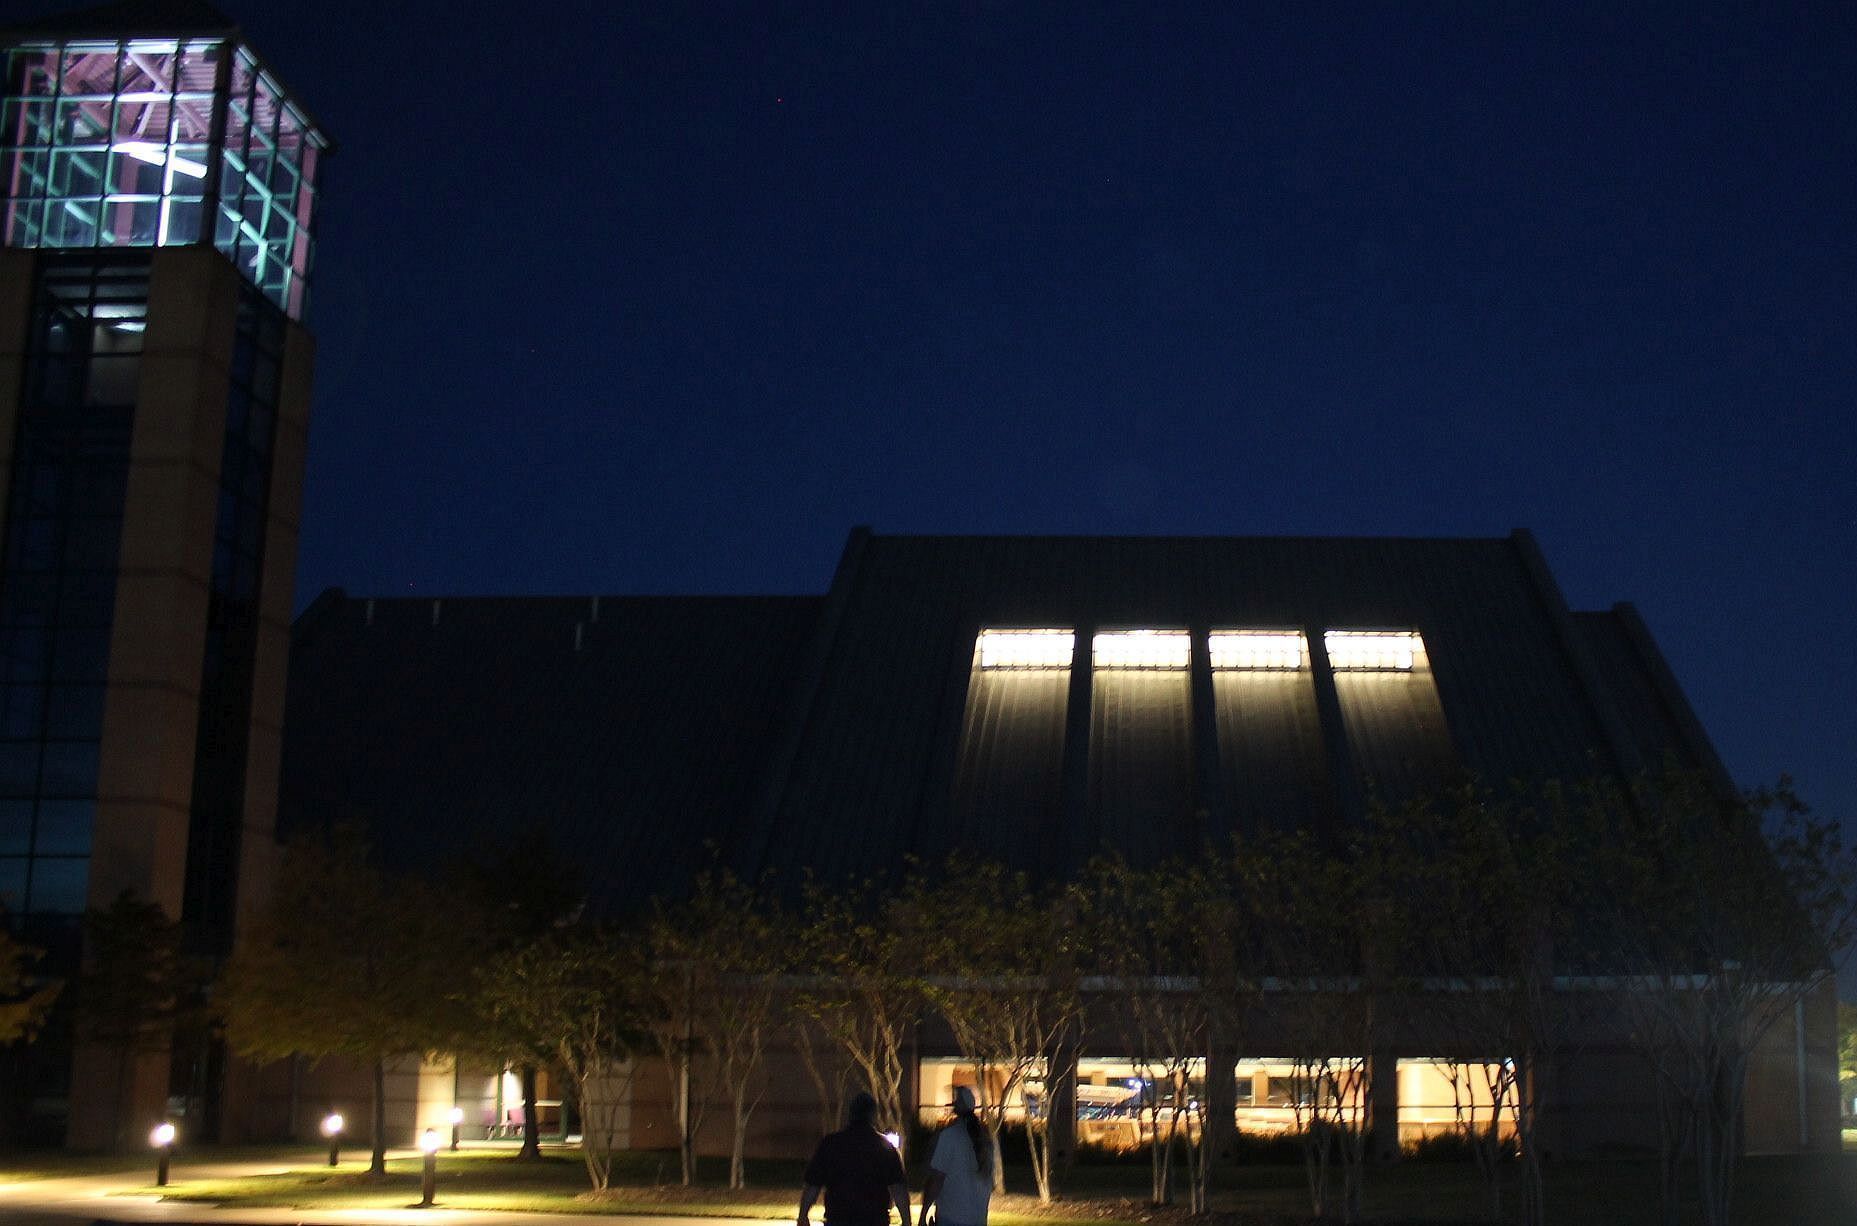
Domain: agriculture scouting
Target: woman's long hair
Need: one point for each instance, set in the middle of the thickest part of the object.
(982, 1143)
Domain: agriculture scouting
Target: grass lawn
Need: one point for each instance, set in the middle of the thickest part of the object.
(21, 1166)
(1772, 1190)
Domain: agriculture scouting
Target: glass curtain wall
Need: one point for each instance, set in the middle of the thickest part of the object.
(158, 143)
(58, 576)
(232, 623)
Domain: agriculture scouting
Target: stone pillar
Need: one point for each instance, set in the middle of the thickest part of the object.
(1221, 1102)
(1383, 1108)
(1061, 1104)
(1080, 713)
(157, 643)
(16, 273)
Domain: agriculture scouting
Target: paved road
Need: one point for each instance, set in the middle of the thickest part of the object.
(108, 1198)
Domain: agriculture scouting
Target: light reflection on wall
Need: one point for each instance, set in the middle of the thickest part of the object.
(1391, 712)
(1141, 741)
(1008, 785)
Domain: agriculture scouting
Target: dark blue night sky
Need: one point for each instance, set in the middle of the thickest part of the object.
(664, 298)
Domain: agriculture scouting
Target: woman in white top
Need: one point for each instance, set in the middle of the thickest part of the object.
(960, 1181)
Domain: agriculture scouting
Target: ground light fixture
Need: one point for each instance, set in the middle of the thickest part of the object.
(332, 1129)
(162, 1139)
(428, 1141)
(457, 1122)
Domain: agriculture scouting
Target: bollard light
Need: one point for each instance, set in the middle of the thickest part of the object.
(162, 1138)
(457, 1122)
(428, 1141)
(332, 1129)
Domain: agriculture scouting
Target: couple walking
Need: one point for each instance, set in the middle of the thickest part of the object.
(862, 1175)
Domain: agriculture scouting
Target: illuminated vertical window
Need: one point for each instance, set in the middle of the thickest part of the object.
(1141, 739)
(1008, 787)
(1374, 651)
(1141, 649)
(1257, 650)
(1025, 648)
(1391, 712)
(1270, 735)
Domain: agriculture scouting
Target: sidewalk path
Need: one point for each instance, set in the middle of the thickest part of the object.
(109, 1198)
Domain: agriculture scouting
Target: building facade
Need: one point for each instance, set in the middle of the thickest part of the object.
(160, 190)
(1029, 700)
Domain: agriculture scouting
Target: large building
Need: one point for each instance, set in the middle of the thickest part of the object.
(1029, 699)
(159, 202)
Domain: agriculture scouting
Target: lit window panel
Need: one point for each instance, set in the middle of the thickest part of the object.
(1256, 650)
(1026, 648)
(1162, 649)
(1373, 650)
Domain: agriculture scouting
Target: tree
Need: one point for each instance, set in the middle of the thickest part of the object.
(520, 888)
(578, 993)
(1311, 908)
(24, 998)
(350, 961)
(862, 984)
(722, 951)
(1847, 1053)
(136, 988)
(1497, 887)
(1717, 916)
(1003, 972)
(1847, 1040)
(1152, 931)
(679, 974)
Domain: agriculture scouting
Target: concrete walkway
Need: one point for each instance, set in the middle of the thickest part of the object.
(111, 1198)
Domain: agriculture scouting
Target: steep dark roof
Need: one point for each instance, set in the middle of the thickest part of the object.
(863, 786)
(826, 734)
(447, 725)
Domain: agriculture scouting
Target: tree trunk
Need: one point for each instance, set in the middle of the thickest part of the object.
(119, 1135)
(1038, 1141)
(738, 1165)
(686, 1132)
(377, 1162)
(531, 1127)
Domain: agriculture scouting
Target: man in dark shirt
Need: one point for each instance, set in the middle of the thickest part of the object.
(860, 1171)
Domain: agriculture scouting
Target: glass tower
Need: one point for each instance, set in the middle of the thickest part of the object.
(161, 142)
(160, 192)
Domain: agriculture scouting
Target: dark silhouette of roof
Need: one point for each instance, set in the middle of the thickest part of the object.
(843, 734)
